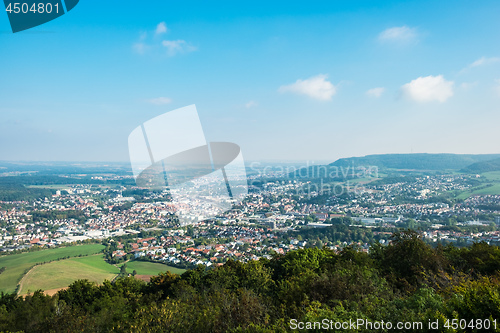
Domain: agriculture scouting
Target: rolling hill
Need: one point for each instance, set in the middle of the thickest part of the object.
(416, 161)
(485, 166)
(344, 168)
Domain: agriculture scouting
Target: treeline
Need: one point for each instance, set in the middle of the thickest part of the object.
(43, 215)
(41, 180)
(7, 252)
(405, 281)
(18, 192)
(56, 179)
(338, 233)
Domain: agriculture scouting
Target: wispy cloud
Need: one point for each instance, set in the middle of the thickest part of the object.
(150, 42)
(468, 85)
(484, 61)
(140, 47)
(428, 89)
(160, 101)
(399, 35)
(178, 46)
(251, 104)
(375, 92)
(161, 28)
(317, 87)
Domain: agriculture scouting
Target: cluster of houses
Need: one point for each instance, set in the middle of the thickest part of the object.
(245, 228)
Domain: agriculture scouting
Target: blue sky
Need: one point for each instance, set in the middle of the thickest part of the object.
(305, 80)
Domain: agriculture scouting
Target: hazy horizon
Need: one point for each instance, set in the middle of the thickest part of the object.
(247, 162)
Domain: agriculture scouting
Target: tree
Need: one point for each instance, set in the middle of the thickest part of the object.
(123, 270)
(409, 259)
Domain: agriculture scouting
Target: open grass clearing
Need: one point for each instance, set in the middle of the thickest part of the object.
(60, 274)
(17, 264)
(151, 268)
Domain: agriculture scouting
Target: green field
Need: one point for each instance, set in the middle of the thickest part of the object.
(493, 175)
(16, 264)
(151, 268)
(59, 274)
(495, 189)
(363, 180)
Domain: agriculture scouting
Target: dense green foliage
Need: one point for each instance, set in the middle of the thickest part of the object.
(57, 215)
(18, 192)
(405, 281)
(337, 233)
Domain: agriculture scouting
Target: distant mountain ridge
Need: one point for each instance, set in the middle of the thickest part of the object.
(485, 166)
(417, 161)
(345, 168)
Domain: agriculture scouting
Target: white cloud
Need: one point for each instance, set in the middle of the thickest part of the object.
(429, 88)
(251, 104)
(402, 34)
(161, 28)
(484, 61)
(147, 43)
(140, 48)
(177, 46)
(375, 92)
(468, 85)
(317, 87)
(159, 101)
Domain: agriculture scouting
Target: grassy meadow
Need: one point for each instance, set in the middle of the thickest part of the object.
(17, 264)
(151, 268)
(60, 274)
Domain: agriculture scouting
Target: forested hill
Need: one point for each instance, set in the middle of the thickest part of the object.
(405, 281)
(416, 161)
(491, 165)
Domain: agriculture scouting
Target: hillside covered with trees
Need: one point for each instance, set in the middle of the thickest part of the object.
(353, 167)
(407, 280)
(485, 166)
(416, 161)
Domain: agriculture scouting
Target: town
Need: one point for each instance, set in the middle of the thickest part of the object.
(280, 213)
